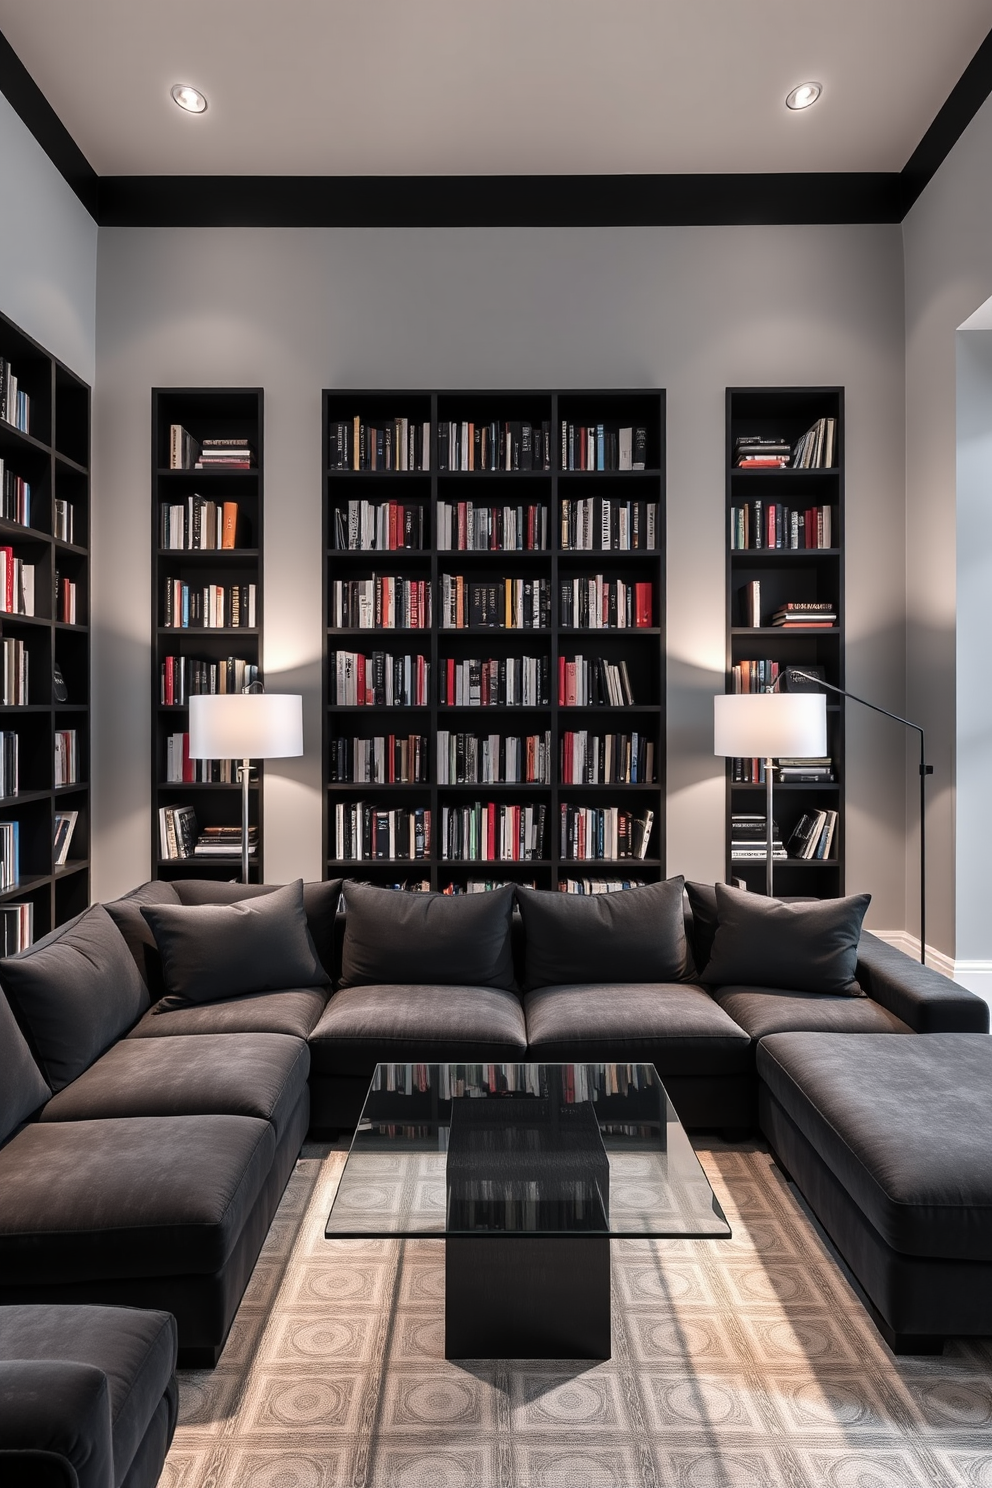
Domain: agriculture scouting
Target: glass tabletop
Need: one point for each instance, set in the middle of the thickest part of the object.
(522, 1149)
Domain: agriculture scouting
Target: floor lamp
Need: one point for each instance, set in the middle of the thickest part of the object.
(925, 770)
(245, 725)
(768, 725)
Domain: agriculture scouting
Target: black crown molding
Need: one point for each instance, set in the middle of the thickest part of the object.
(498, 201)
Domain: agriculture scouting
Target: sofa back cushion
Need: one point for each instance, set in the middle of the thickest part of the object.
(257, 944)
(806, 946)
(636, 935)
(75, 992)
(126, 915)
(22, 1088)
(320, 905)
(436, 939)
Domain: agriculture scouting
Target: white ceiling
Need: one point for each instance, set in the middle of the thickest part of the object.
(481, 87)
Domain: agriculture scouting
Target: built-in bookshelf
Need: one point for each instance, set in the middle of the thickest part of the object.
(207, 544)
(785, 548)
(44, 640)
(494, 679)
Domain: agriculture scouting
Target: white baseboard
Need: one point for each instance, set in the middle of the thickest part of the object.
(976, 976)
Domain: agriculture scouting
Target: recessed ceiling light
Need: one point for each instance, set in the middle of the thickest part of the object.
(190, 99)
(804, 95)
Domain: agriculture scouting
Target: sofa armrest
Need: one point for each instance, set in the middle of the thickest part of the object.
(57, 1410)
(928, 1001)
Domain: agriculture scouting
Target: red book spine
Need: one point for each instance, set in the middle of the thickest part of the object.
(450, 698)
(642, 603)
(561, 681)
(170, 681)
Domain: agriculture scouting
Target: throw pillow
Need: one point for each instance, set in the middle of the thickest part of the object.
(809, 946)
(636, 935)
(320, 904)
(75, 992)
(213, 951)
(126, 915)
(702, 902)
(437, 939)
(22, 1089)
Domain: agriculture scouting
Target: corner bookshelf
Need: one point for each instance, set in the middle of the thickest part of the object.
(204, 654)
(788, 574)
(49, 455)
(526, 521)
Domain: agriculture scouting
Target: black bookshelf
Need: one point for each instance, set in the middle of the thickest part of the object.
(788, 574)
(545, 486)
(205, 413)
(52, 457)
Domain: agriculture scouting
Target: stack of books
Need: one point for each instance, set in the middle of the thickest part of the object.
(821, 614)
(224, 842)
(815, 450)
(225, 454)
(758, 452)
(748, 838)
(815, 771)
(813, 835)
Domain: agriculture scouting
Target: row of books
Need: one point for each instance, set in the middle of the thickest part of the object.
(814, 450)
(66, 596)
(10, 855)
(606, 759)
(748, 838)
(16, 928)
(9, 771)
(15, 497)
(493, 759)
(585, 681)
(66, 758)
(209, 606)
(602, 447)
(601, 523)
(187, 453)
(754, 675)
(776, 524)
(385, 759)
(14, 678)
(493, 832)
(183, 677)
(180, 768)
(463, 445)
(383, 602)
(609, 832)
(363, 830)
(467, 526)
(179, 836)
(598, 885)
(813, 836)
(382, 526)
(793, 613)
(65, 826)
(480, 886)
(496, 682)
(15, 404)
(384, 444)
(596, 603)
(64, 521)
(16, 584)
(198, 523)
(507, 604)
(379, 680)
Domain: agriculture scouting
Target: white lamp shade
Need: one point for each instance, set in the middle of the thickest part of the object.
(245, 725)
(770, 724)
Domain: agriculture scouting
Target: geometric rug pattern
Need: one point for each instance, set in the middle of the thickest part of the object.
(743, 1363)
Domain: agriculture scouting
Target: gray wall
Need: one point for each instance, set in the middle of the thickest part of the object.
(47, 250)
(689, 309)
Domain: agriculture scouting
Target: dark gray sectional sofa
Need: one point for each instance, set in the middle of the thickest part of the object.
(150, 1126)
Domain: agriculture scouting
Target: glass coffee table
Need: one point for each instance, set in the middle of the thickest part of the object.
(527, 1172)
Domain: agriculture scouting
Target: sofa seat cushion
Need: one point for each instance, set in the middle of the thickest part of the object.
(215, 1074)
(134, 1349)
(365, 1026)
(145, 1196)
(294, 1011)
(676, 1026)
(904, 1124)
(764, 1010)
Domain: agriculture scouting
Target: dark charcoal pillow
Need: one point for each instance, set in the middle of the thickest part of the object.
(636, 935)
(810, 946)
(213, 951)
(437, 939)
(320, 905)
(75, 992)
(126, 915)
(702, 902)
(22, 1089)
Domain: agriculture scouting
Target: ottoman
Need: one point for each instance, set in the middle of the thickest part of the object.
(890, 1142)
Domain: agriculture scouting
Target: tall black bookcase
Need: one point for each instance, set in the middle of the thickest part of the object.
(546, 432)
(788, 574)
(205, 414)
(50, 453)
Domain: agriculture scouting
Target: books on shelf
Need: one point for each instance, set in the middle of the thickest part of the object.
(15, 691)
(15, 403)
(495, 682)
(16, 584)
(65, 599)
(600, 523)
(390, 444)
(813, 836)
(609, 832)
(463, 445)
(384, 759)
(761, 452)
(9, 774)
(64, 521)
(468, 527)
(209, 606)
(603, 447)
(198, 523)
(500, 604)
(484, 885)
(598, 885)
(382, 526)
(815, 771)
(493, 759)
(15, 497)
(16, 928)
(65, 826)
(10, 854)
(66, 757)
(382, 602)
(820, 614)
(817, 447)
(177, 831)
(606, 759)
(364, 830)
(378, 680)
(224, 454)
(754, 676)
(596, 603)
(749, 839)
(747, 770)
(779, 525)
(183, 677)
(183, 448)
(749, 598)
(224, 842)
(180, 768)
(490, 831)
(585, 681)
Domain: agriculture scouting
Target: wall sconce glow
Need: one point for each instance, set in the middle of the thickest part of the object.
(190, 99)
(803, 96)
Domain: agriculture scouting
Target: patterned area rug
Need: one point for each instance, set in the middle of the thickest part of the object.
(747, 1363)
